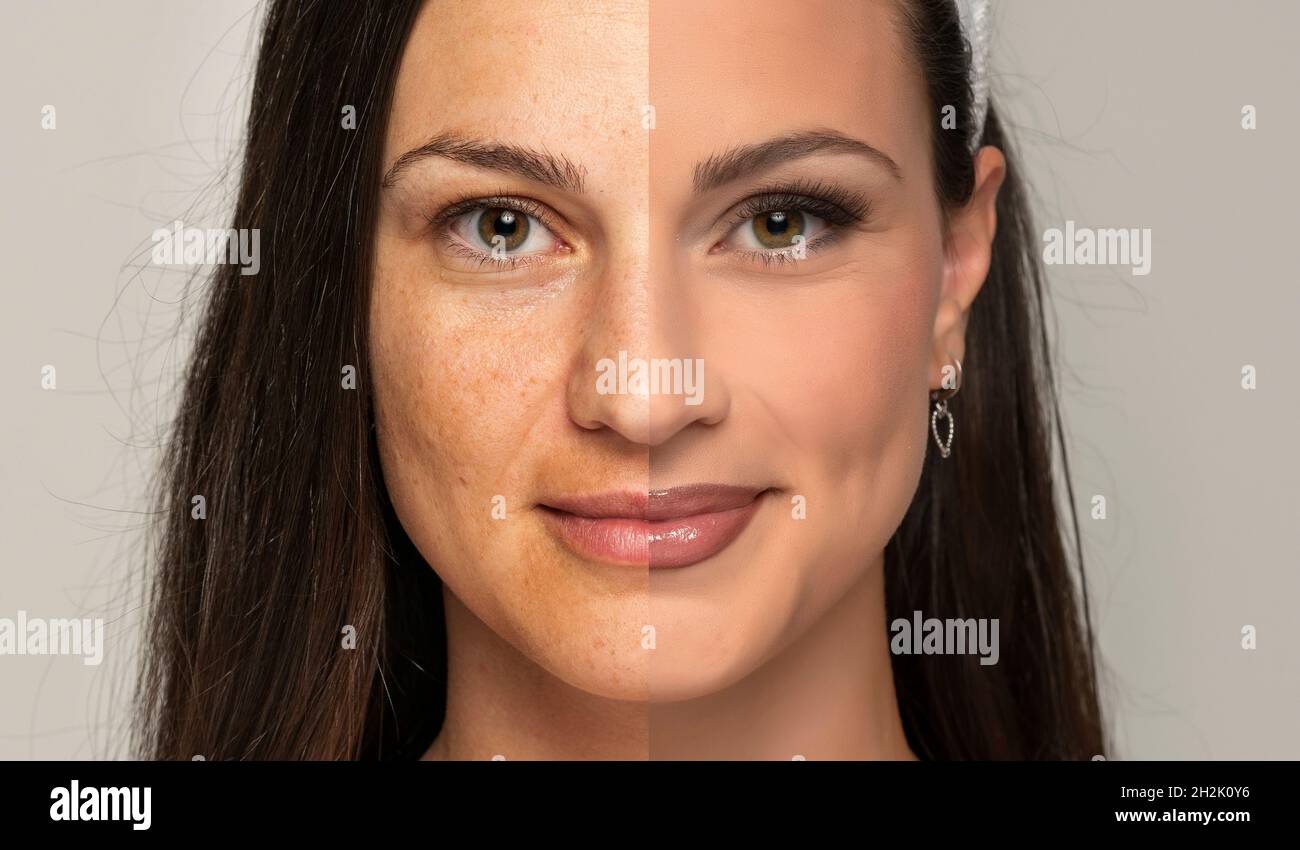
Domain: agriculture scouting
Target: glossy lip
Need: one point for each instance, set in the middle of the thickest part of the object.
(658, 529)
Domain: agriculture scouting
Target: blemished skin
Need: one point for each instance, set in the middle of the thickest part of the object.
(817, 369)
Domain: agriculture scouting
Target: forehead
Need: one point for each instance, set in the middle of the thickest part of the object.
(574, 76)
(559, 74)
(733, 70)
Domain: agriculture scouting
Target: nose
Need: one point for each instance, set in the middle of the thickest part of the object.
(641, 372)
(615, 330)
(690, 392)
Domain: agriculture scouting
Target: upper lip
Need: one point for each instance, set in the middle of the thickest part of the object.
(656, 505)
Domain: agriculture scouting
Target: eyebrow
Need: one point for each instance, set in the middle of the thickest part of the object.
(735, 163)
(539, 166)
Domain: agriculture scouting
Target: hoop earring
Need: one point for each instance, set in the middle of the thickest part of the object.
(941, 411)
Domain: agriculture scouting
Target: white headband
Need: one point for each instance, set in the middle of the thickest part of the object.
(976, 22)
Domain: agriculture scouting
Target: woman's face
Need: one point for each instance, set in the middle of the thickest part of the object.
(631, 543)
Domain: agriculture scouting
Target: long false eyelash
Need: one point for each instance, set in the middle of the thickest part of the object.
(834, 204)
(838, 207)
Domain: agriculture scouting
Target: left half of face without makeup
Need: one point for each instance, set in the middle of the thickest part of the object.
(509, 259)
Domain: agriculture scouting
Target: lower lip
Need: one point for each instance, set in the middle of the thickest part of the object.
(662, 544)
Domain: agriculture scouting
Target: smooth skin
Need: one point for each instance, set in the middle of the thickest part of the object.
(817, 369)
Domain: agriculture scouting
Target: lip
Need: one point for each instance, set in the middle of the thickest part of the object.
(659, 529)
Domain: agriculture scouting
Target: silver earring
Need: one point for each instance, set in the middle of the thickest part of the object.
(941, 411)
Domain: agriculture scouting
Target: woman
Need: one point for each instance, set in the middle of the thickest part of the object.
(444, 518)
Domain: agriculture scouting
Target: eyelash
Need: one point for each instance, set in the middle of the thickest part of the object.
(499, 201)
(836, 206)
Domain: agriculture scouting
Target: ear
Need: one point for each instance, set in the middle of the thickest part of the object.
(966, 264)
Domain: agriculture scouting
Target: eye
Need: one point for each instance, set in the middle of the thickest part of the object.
(503, 231)
(496, 233)
(784, 222)
(778, 230)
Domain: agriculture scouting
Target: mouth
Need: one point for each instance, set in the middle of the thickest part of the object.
(659, 529)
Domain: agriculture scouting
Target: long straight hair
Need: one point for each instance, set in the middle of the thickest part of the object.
(289, 622)
(985, 536)
(292, 618)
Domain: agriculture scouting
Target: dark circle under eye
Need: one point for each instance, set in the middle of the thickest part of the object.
(778, 228)
(510, 225)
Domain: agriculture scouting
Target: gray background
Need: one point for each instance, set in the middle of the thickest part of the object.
(1127, 115)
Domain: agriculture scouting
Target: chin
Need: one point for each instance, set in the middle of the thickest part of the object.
(607, 673)
(592, 643)
(703, 648)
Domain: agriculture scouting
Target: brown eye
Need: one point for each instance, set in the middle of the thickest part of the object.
(510, 225)
(496, 234)
(777, 229)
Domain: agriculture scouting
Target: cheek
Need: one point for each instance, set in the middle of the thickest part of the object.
(455, 407)
(854, 394)
(468, 406)
(871, 420)
(451, 406)
(453, 395)
(860, 408)
(864, 366)
(857, 401)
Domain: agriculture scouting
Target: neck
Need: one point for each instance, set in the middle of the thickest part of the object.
(829, 694)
